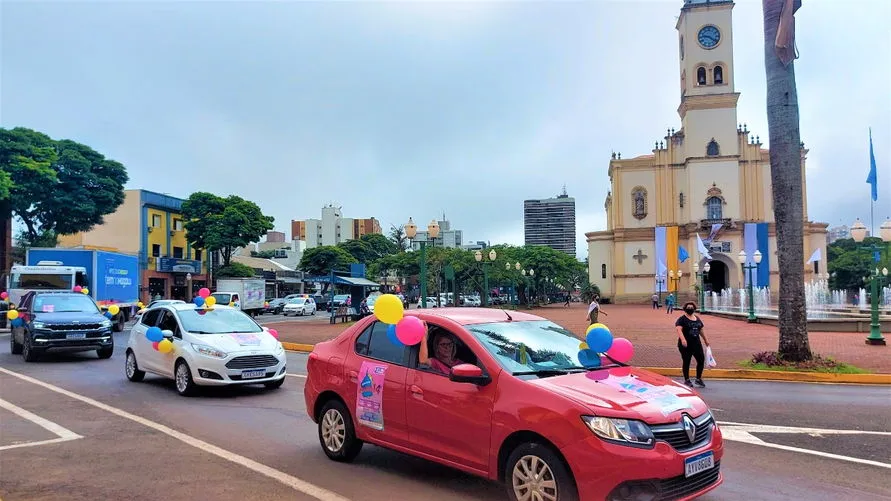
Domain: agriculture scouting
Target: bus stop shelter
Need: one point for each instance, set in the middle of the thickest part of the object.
(358, 290)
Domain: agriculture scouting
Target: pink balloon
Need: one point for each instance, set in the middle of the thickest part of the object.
(274, 333)
(4, 295)
(410, 330)
(77, 288)
(622, 350)
(203, 292)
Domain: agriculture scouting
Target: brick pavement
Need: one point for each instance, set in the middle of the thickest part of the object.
(653, 335)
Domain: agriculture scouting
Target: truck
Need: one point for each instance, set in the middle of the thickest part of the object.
(109, 277)
(246, 294)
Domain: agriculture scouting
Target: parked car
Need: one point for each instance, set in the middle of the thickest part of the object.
(339, 300)
(60, 321)
(276, 306)
(217, 347)
(300, 306)
(519, 408)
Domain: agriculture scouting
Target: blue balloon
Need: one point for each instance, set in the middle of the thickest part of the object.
(589, 359)
(199, 301)
(599, 340)
(108, 315)
(391, 335)
(18, 322)
(154, 334)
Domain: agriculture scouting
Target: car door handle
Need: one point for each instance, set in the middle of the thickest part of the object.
(416, 390)
(354, 376)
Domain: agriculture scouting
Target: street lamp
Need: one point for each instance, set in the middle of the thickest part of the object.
(700, 277)
(478, 255)
(411, 230)
(660, 281)
(858, 232)
(189, 287)
(749, 268)
(674, 278)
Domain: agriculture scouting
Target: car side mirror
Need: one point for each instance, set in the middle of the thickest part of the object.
(469, 373)
(167, 334)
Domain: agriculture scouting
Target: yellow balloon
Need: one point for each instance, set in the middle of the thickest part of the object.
(165, 346)
(583, 346)
(595, 326)
(12, 314)
(114, 309)
(232, 303)
(85, 290)
(388, 309)
(140, 305)
(209, 301)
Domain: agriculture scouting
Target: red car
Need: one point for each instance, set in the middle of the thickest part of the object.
(517, 407)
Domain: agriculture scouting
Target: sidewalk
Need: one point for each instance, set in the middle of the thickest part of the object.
(655, 342)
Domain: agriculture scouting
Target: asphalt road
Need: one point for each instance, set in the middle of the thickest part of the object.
(74, 428)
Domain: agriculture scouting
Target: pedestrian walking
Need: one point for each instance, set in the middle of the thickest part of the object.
(669, 303)
(594, 310)
(655, 299)
(566, 297)
(691, 336)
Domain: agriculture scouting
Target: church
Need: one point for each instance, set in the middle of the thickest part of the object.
(703, 194)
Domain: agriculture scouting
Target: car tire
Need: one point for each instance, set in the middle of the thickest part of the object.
(337, 434)
(274, 385)
(131, 368)
(549, 470)
(105, 353)
(14, 347)
(29, 354)
(182, 377)
(119, 324)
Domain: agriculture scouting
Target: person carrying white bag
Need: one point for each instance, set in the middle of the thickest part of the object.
(691, 337)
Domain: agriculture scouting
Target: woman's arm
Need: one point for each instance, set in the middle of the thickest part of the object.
(681, 335)
(423, 355)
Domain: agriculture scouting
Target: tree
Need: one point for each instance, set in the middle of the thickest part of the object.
(267, 254)
(397, 236)
(786, 176)
(321, 260)
(62, 187)
(379, 246)
(849, 262)
(360, 250)
(223, 224)
(236, 270)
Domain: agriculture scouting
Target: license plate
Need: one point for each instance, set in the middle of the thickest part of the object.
(253, 374)
(699, 463)
(81, 335)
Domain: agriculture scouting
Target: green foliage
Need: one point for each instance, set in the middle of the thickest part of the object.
(397, 236)
(236, 270)
(61, 187)
(379, 246)
(850, 262)
(267, 254)
(320, 260)
(223, 224)
(360, 250)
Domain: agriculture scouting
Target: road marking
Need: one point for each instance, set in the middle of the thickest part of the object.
(742, 432)
(296, 375)
(64, 434)
(295, 483)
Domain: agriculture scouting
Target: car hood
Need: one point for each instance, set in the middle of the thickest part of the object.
(69, 317)
(234, 342)
(632, 392)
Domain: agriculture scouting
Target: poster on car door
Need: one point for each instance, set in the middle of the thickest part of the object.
(369, 398)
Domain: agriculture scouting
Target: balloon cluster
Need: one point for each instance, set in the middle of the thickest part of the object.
(599, 340)
(112, 311)
(156, 336)
(401, 330)
(204, 299)
(15, 320)
(82, 290)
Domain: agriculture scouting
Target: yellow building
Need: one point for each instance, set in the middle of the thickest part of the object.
(151, 225)
(710, 178)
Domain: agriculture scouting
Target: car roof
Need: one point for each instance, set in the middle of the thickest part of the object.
(470, 316)
(192, 306)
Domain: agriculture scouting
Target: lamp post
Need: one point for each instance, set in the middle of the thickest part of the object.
(411, 230)
(660, 281)
(674, 279)
(700, 277)
(478, 255)
(749, 268)
(858, 232)
(188, 287)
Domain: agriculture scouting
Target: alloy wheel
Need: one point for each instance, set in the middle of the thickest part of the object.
(182, 377)
(131, 365)
(533, 480)
(333, 430)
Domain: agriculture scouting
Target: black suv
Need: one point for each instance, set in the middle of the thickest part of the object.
(60, 321)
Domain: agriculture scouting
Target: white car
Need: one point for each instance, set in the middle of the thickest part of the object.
(156, 302)
(217, 347)
(300, 306)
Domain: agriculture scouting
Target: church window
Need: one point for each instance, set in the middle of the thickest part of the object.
(682, 48)
(714, 208)
(719, 75)
(639, 202)
(712, 149)
(700, 75)
(602, 271)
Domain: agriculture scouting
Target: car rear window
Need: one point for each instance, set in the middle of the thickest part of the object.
(374, 343)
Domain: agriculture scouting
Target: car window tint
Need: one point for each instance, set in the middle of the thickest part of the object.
(381, 348)
(362, 341)
(150, 318)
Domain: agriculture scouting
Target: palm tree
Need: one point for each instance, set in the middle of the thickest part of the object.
(786, 175)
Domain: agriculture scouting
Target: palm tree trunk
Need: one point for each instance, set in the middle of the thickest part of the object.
(788, 198)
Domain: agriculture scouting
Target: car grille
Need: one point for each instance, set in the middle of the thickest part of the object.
(676, 437)
(252, 362)
(73, 327)
(681, 486)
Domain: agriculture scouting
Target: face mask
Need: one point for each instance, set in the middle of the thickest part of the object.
(689, 310)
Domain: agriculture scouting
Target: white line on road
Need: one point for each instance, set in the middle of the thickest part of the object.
(64, 434)
(296, 375)
(295, 483)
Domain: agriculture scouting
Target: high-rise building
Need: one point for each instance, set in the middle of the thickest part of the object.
(332, 228)
(551, 222)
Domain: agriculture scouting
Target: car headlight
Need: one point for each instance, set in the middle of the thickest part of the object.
(626, 431)
(105, 322)
(279, 348)
(208, 351)
(37, 325)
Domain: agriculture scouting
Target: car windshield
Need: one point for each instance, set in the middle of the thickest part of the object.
(216, 321)
(298, 300)
(547, 346)
(64, 303)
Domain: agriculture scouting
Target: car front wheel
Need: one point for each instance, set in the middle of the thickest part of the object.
(534, 471)
(185, 385)
(336, 433)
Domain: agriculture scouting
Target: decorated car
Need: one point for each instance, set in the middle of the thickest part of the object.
(515, 398)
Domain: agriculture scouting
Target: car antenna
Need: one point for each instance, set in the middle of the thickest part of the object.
(509, 319)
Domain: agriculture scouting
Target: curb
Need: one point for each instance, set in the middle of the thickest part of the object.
(800, 377)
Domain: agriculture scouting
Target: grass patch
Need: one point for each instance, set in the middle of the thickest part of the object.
(772, 361)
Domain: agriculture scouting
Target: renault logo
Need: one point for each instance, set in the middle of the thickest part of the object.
(689, 428)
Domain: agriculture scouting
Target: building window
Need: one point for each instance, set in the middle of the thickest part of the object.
(156, 220)
(156, 250)
(713, 149)
(682, 48)
(639, 202)
(602, 271)
(197, 254)
(178, 252)
(714, 208)
(718, 74)
(700, 75)
(177, 225)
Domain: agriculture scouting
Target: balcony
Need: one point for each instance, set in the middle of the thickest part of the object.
(707, 223)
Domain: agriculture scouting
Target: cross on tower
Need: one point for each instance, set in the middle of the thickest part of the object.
(640, 256)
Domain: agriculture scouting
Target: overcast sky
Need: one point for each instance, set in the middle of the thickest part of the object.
(414, 109)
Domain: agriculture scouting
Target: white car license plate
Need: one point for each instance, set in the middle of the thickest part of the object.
(699, 463)
(253, 374)
(81, 335)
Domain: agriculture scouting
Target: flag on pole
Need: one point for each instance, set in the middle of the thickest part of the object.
(872, 179)
(683, 255)
(816, 256)
(703, 251)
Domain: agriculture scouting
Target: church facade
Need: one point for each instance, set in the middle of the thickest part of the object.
(709, 181)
